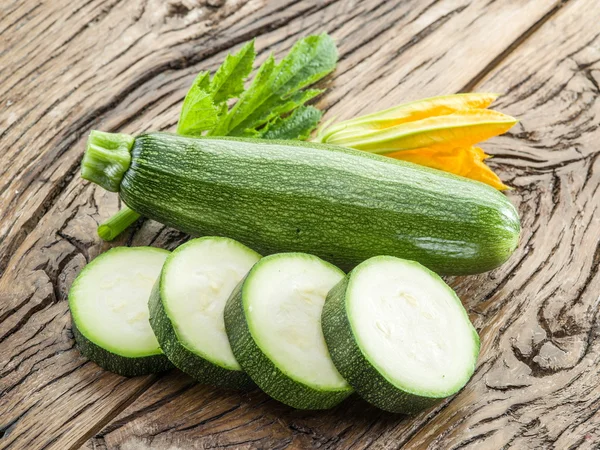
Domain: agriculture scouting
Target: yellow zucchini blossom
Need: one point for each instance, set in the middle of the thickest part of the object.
(439, 132)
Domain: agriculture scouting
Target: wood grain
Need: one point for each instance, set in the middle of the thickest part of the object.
(390, 52)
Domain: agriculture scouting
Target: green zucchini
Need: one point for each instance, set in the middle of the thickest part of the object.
(186, 308)
(109, 306)
(274, 327)
(340, 204)
(399, 335)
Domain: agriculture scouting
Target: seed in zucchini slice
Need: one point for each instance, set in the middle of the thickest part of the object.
(399, 334)
(109, 307)
(273, 323)
(186, 308)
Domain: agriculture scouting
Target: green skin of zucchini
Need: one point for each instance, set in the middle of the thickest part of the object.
(121, 365)
(354, 367)
(187, 361)
(340, 204)
(267, 375)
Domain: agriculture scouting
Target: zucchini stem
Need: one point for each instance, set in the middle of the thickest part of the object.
(107, 157)
(117, 223)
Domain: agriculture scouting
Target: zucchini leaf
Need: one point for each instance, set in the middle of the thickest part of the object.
(257, 88)
(198, 112)
(228, 81)
(309, 60)
(297, 125)
(206, 100)
(272, 109)
(276, 89)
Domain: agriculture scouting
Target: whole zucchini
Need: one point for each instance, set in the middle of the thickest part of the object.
(342, 205)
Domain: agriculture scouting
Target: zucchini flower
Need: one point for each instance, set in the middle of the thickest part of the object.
(439, 132)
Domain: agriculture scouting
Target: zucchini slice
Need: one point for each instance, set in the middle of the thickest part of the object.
(186, 308)
(109, 307)
(399, 334)
(273, 320)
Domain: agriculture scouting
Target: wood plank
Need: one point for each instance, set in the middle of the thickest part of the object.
(423, 58)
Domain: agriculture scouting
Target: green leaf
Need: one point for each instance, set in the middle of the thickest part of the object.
(309, 60)
(202, 82)
(297, 125)
(273, 108)
(228, 81)
(198, 112)
(222, 110)
(246, 103)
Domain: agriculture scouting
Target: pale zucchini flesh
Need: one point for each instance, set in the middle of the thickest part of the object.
(187, 308)
(399, 335)
(273, 323)
(108, 302)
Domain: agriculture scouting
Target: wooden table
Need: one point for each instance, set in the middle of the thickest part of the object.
(68, 66)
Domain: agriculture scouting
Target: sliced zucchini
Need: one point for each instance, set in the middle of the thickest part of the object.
(399, 334)
(273, 320)
(109, 307)
(186, 308)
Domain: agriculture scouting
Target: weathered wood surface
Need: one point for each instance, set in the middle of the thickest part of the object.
(69, 66)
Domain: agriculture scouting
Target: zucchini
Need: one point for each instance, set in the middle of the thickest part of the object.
(186, 308)
(274, 327)
(108, 302)
(340, 204)
(399, 335)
